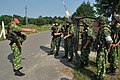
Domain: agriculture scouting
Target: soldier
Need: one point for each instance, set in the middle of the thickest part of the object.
(68, 33)
(114, 48)
(56, 32)
(16, 37)
(104, 40)
(87, 40)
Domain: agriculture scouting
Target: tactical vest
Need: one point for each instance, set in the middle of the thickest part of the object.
(12, 32)
(115, 34)
(67, 30)
(101, 36)
(57, 29)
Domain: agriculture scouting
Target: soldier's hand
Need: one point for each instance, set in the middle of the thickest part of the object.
(65, 37)
(57, 34)
(111, 46)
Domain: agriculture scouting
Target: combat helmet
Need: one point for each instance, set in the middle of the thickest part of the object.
(116, 17)
(102, 19)
(56, 21)
(69, 21)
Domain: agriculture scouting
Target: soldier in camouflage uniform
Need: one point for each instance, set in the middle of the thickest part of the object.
(56, 32)
(104, 40)
(113, 56)
(86, 43)
(16, 37)
(68, 33)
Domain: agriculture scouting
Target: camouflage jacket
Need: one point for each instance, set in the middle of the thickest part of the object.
(55, 29)
(12, 27)
(87, 35)
(102, 34)
(68, 30)
(115, 34)
(13, 31)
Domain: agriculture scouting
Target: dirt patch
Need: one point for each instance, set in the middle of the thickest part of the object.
(67, 71)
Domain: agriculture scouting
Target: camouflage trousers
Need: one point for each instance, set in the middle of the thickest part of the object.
(16, 56)
(68, 46)
(101, 61)
(113, 57)
(85, 55)
(55, 43)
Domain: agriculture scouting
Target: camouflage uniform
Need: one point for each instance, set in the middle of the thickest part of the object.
(104, 40)
(16, 38)
(113, 56)
(68, 42)
(86, 44)
(56, 39)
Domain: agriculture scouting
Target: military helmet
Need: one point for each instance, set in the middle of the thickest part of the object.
(56, 21)
(69, 21)
(116, 17)
(102, 19)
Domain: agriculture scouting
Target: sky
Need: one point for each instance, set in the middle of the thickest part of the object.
(38, 8)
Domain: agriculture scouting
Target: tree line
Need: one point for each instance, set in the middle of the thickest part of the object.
(36, 21)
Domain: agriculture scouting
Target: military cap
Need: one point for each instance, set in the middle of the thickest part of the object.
(56, 21)
(69, 21)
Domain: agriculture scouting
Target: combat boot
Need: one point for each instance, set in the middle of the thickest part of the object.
(18, 73)
(86, 64)
(51, 53)
(65, 56)
(69, 60)
(113, 71)
(56, 54)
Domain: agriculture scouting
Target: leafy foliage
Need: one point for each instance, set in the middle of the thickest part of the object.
(107, 7)
(85, 9)
(36, 21)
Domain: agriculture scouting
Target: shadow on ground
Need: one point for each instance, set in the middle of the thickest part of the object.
(45, 49)
(90, 74)
(64, 79)
(10, 57)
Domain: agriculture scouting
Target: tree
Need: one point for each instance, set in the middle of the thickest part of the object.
(85, 9)
(107, 7)
(6, 18)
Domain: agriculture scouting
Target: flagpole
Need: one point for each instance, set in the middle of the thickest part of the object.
(67, 12)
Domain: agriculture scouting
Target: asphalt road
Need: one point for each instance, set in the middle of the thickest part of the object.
(37, 65)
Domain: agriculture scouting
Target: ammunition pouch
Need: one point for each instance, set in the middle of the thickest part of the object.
(12, 37)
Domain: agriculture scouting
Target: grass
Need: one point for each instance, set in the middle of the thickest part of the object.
(31, 26)
(89, 73)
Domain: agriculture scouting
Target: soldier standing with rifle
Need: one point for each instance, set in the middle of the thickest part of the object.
(68, 33)
(56, 32)
(103, 42)
(114, 48)
(16, 39)
(87, 40)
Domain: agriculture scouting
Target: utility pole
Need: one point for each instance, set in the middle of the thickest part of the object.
(26, 20)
